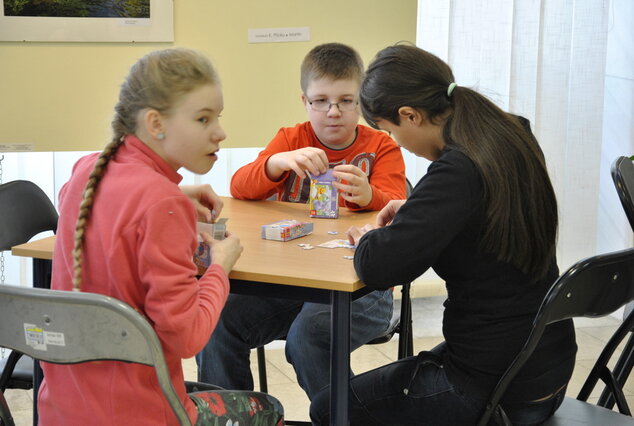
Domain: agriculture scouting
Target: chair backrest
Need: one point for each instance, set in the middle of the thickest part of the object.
(593, 287)
(66, 327)
(623, 177)
(25, 210)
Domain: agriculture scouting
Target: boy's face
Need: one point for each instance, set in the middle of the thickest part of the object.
(335, 128)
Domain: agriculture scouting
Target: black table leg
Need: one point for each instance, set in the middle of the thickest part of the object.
(340, 358)
(41, 279)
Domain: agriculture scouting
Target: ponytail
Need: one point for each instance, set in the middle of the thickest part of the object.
(521, 208)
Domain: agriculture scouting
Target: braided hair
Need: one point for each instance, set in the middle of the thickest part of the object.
(156, 81)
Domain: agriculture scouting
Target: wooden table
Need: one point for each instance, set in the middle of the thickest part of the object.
(279, 269)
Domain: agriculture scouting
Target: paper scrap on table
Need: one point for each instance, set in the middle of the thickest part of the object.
(336, 243)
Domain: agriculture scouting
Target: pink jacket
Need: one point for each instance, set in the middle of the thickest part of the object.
(139, 248)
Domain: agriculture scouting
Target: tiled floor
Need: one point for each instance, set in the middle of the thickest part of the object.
(427, 313)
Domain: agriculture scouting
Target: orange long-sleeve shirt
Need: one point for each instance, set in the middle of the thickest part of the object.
(139, 248)
(373, 151)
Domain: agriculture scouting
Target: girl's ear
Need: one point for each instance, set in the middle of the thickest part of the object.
(410, 115)
(153, 122)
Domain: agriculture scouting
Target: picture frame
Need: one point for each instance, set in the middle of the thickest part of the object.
(158, 27)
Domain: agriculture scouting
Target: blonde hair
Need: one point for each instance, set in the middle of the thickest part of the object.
(157, 81)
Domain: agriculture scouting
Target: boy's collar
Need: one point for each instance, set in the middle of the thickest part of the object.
(340, 148)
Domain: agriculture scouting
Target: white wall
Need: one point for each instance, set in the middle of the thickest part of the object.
(613, 230)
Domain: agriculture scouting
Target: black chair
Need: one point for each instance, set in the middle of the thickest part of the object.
(593, 287)
(400, 323)
(623, 177)
(25, 211)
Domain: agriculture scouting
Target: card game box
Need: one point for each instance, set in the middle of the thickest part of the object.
(202, 255)
(286, 230)
(324, 197)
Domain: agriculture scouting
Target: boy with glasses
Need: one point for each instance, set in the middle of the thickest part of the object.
(370, 171)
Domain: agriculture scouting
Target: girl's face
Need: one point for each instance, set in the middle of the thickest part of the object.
(192, 130)
(415, 133)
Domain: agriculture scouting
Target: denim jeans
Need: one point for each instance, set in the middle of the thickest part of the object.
(416, 391)
(247, 322)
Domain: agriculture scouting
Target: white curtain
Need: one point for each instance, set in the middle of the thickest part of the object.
(544, 60)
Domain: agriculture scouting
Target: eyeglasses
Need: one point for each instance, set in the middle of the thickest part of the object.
(323, 105)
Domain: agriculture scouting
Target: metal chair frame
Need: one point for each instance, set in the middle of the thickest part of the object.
(74, 327)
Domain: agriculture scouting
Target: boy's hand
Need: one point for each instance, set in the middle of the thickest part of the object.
(207, 202)
(388, 212)
(224, 252)
(355, 233)
(309, 159)
(357, 188)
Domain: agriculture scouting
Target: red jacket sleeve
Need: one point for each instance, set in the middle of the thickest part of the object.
(250, 182)
(183, 310)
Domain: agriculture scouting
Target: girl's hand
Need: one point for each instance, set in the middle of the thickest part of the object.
(300, 161)
(357, 188)
(224, 252)
(207, 202)
(388, 212)
(355, 233)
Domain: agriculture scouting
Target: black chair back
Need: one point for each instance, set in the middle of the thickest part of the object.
(623, 177)
(593, 287)
(25, 211)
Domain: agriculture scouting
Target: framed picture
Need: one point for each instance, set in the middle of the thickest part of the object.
(87, 20)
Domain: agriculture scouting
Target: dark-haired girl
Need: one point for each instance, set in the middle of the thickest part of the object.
(484, 217)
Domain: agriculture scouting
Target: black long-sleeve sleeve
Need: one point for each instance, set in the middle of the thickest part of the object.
(445, 201)
(490, 304)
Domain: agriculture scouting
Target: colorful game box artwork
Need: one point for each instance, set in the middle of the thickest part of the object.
(324, 197)
(286, 230)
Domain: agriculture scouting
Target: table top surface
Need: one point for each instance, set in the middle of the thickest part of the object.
(272, 261)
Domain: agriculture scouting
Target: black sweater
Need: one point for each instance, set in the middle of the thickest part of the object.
(490, 306)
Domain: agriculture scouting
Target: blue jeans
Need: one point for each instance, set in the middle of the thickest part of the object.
(248, 322)
(416, 391)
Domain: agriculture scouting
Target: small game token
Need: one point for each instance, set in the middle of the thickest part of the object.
(348, 257)
(333, 232)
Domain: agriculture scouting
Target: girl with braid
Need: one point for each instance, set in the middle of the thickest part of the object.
(127, 230)
(484, 217)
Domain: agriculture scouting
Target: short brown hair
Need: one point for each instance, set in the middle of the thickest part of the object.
(333, 60)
